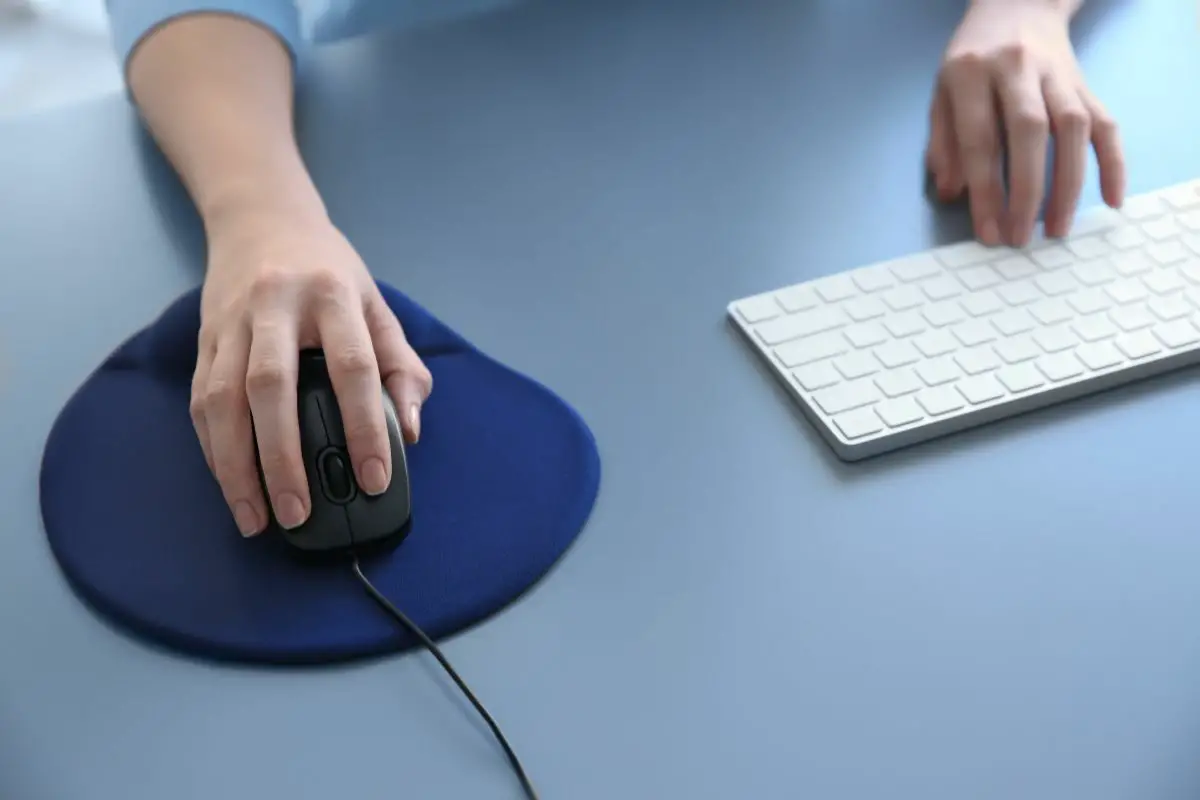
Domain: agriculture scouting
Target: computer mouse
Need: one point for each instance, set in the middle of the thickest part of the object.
(344, 521)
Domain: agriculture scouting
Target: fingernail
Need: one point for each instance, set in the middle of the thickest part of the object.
(414, 420)
(990, 232)
(374, 476)
(289, 510)
(246, 518)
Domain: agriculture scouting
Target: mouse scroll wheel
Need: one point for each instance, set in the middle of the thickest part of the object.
(337, 476)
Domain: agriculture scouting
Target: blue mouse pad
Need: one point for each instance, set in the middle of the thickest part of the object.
(503, 480)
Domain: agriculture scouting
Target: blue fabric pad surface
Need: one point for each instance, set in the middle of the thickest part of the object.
(503, 480)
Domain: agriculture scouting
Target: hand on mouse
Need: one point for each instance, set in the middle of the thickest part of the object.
(275, 286)
(1010, 73)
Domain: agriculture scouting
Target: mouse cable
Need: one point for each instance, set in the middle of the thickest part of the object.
(526, 784)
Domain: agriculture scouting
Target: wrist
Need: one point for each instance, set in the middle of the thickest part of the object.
(257, 200)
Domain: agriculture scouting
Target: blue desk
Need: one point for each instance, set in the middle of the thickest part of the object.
(580, 188)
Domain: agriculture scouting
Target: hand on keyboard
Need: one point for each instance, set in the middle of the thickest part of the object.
(1010, 74)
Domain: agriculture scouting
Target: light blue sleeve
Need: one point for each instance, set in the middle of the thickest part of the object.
(132, 20)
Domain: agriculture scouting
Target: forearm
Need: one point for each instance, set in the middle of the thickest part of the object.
(1068, 7)
(216, 93)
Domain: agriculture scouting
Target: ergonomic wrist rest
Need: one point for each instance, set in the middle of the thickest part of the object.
(503, 480)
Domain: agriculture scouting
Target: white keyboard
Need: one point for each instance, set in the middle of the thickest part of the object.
(898, 352)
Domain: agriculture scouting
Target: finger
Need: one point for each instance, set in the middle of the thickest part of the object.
(271, 375)
(1027, 127)
(1071, 125)
(406, 377)
(231, 436)
(196, 406)
(354, 373)
(1106, 141)
(972, 101)
(942, 155)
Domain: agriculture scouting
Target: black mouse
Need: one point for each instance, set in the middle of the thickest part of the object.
(344, 520)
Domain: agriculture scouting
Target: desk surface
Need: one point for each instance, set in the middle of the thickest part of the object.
(1008, 613)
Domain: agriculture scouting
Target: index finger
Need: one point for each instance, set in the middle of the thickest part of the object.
(354, 373)
(972, 103)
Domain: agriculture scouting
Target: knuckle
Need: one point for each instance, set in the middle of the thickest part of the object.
(1073, 118)
(1104, 125)
(1013, 55)
(966, 62)
(221, 395)
(268, 284)
(326, 286)
(266, 374)
(1029, 122)
(353, 360)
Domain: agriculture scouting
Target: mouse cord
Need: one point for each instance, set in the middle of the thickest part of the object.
(526, 784)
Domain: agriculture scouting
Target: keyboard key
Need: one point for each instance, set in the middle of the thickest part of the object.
(935, 343)
(1055, 339)
(900, 411)
(977, 360)
(1060, 366)
(1019, 293)
(858, 364)
(759, 309)
(861, 309)
(941, 288)
(1173, 306)
(1052, 256)
(1015, 267)
(1133, 263)
(915, 268)
(973, 332)
(1132, 317)
(858, 424)
(902, 298)
(814, 348)
(1125, 238)
(981, 389)
(939, 371)
(797, 298)
(965, 254)
(1095, 273)
(898, 382)
(1087, 247)
(1020, 377)
(1089, 301)
(846, 396)
(1163, 281)
(1052, 312)
(868, 335)
(1099, 355)
(1138, 345)
(835, 288)
(897, 354)
(1014, 351)
(1094, 328)
(1161, 228)
(812, 377)
(1179, 333)
(982, 304)
(977, 278)
(1056, 283)
(872, 279)
(1167, 253)
(1127, 291)
(903, 325)
(941, 314)
(794, 326)
(940, 400)
(1014, 322)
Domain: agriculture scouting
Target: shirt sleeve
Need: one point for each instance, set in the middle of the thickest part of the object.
(130, 21)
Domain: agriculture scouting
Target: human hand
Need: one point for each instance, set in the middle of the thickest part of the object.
(1010, 75)
(274, 287)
